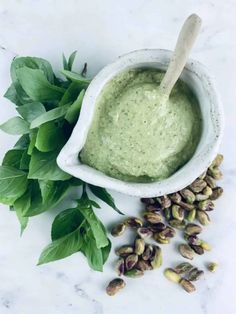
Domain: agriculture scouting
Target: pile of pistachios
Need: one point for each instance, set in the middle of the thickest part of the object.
(161, 217)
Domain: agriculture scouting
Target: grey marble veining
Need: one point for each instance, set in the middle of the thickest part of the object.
(101, 31)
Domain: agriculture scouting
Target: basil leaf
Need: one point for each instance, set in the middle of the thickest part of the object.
(31, 111)
(104, 196)
(74, 110)
(13, 158)
(13, 184)
(70, 94)
(12, 95)
(25, 160)
(106, 251)
(43, 166)
(42, 201)
(33, 136)
(22, 220)
(94, 255)
(71, 60)
(75, 77)
(36, 85)
(66, 222)
(33, 63)
(61, 248)
(49, 137)
(15, 126)
(21, 206)
(65, 63)
(95, 224)
(23, 142)
(49, 116)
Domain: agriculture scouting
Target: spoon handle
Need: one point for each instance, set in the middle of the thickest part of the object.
(186, 39)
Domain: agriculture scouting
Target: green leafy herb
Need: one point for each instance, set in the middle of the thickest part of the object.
(30, 180)
(104, 196)
(49, 116)
(15, 126)
(31, 111)
(36, 85)
(13, 183)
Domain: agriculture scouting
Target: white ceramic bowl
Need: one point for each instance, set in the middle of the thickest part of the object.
(197, 78)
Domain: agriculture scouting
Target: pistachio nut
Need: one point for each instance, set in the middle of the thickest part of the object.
(152, 217)
(124, 250)
(175, 198)
(203, 217)
(207, 191)
(192, 239)
(148, 200)
(139, 246)
(187, 285)
(212, 267)
(114, 286)
(120, 267)
(156, 260)
(217, 161)
(191, 215)
(165, 201)
(198, 185)
(183, 268)
(215, 173)
(191, 229)
(153, 207)
(186, 251)
(195, 274)
(134, 273)
(167, 213)
(186, 206)
(216, 193)
(130, 261)
(134, 222)
(177, 212)
(118, 230)
(197, 249)
(147, 254)
(144, 233)
(188, 195)
(201, 197)
(177, 224)
(168, 232)
(143, 265)
(206, 246)
(210, 181)
(161, 240)
(206, 205)
(160, 226)
(172, 275)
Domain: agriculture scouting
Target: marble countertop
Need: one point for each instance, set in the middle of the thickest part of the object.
(101, 31)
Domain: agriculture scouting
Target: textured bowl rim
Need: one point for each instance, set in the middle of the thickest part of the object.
(68, 158)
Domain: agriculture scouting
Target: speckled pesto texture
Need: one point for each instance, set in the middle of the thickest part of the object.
(137, 137)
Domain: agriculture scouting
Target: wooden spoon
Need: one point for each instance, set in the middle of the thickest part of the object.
(185, 41)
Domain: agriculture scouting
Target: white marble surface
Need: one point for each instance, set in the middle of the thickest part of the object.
(101, 31)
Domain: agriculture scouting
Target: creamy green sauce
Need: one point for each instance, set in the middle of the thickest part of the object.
(135, 136)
